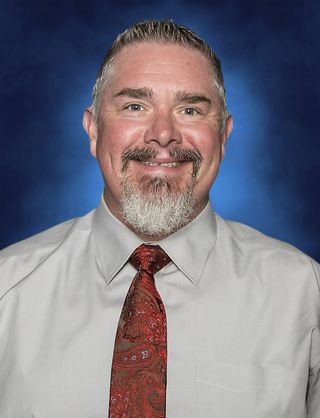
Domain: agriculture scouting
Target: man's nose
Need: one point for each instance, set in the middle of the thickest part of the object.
(163, 130)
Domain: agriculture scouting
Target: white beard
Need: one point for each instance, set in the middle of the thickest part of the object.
(156, 206)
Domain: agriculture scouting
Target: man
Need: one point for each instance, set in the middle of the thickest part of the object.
(80, 338)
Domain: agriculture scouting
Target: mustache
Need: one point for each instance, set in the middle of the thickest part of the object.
(179, 154)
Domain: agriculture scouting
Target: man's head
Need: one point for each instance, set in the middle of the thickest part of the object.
(158, 126)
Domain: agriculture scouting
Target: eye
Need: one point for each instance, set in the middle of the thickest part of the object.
(134, 107)
(190, 111)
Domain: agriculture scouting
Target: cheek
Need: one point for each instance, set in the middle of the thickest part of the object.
(118, 137)
(206, 140)
(212, 154)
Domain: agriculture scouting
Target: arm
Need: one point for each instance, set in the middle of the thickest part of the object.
(313, 394)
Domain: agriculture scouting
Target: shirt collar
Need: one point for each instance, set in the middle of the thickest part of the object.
(188, 247)
(115, 241)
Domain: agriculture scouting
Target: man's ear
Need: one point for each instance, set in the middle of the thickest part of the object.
(90, 126)
(225, 134)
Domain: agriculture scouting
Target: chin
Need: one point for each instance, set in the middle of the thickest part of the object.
(156, 206)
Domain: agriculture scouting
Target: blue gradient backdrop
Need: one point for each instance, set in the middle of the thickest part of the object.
(50, 54)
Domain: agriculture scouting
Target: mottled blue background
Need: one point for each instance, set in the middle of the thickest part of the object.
(50, 54)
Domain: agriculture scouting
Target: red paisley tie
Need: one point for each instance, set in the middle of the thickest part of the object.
(139, 366)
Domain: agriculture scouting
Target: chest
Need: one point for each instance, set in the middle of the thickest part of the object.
(234, 350)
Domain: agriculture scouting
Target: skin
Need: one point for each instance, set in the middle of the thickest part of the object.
(162, 97)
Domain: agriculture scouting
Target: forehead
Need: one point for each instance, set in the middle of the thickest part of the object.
(161, 64)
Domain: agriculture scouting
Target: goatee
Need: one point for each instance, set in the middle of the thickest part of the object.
(157, 206)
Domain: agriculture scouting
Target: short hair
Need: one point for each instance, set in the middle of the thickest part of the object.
(166, 32)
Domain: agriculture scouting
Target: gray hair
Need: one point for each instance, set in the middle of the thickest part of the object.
(167, 32)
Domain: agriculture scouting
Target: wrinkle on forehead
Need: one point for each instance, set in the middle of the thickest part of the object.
(159, 58)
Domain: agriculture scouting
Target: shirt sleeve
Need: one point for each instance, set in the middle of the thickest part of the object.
(313, 394)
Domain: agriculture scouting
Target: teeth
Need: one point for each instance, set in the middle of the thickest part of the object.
(149, 163)
(153, 164)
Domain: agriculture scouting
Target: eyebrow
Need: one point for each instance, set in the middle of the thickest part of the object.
(139, 93)
(145, 92)
(192, 98)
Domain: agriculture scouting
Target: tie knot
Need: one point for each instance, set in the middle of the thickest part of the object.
(150, 258)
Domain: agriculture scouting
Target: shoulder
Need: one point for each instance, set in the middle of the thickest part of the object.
(250, 247)
(248, 238)
(19, 260)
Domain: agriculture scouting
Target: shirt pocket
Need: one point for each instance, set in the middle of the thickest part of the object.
(226, 390)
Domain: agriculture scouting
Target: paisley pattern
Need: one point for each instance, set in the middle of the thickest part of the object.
(139, 366)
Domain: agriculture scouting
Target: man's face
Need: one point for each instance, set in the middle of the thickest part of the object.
(159, 119)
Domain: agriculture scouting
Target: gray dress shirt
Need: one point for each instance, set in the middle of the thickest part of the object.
(242, 311)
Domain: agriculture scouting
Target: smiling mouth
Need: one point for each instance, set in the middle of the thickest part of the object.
(150, 158)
